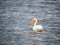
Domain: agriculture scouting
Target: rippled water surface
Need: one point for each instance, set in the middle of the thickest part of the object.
(15, 14)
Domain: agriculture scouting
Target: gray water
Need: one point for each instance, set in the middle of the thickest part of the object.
(15, 15)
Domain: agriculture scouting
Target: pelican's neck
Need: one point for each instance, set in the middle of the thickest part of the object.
(35, 23)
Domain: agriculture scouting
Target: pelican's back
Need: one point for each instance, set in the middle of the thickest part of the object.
(37, 27)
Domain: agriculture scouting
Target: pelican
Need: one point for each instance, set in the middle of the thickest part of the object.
(35, 27)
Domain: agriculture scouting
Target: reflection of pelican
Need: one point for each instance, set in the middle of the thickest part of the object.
(38, 28)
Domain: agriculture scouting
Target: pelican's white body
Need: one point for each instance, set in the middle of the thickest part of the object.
(37, 27)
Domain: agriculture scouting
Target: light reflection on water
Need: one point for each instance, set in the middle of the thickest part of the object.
(15, 14)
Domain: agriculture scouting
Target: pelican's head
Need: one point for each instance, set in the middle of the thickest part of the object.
(32, 21)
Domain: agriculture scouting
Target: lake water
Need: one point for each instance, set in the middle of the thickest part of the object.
(15, 15)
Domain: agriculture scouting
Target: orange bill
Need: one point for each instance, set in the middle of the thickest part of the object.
(32, 22)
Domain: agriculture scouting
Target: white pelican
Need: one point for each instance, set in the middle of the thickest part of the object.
(38, 28)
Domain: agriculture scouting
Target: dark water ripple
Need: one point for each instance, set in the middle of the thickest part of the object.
(15, 14)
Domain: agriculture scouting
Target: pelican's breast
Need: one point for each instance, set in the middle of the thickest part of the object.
(37, 27)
